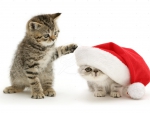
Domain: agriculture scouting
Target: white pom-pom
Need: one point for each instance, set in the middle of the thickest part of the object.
(136, 90)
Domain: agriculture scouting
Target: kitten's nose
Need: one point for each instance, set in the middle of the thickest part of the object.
(95, 71)
(53, 37)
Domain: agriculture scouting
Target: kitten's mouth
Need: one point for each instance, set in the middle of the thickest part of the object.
(95, 76)
(52, 39)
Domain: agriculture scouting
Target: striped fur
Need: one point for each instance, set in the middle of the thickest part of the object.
(33, 63)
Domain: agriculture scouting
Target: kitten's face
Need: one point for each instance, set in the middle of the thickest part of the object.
(91, 73)
(43, 29)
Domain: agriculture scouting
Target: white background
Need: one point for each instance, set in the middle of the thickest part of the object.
(84, 22)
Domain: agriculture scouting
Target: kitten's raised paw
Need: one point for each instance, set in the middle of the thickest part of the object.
(12, 89)
(99, 94)
(50, 92)
(115, 94)
(36, 95)
(70, 48)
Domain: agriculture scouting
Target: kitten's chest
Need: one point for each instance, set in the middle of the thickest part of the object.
(46, 59)
(105, 83)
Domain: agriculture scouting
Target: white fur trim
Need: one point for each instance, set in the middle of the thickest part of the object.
(104, 61)
(136, 90)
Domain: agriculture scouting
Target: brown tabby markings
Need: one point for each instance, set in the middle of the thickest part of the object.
(33, 63)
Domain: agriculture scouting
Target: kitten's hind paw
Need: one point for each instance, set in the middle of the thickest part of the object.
(36, 95)
(99, 94)
(12, 89)
(50, 92)
(115, 94)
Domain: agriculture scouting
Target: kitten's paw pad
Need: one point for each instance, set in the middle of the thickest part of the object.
(11, 90)
(70, 48)
(99, 94)
(115, 94)
(36, 95)
(50, 93)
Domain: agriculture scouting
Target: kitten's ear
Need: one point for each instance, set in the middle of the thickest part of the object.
(34, 26)
(55, 16)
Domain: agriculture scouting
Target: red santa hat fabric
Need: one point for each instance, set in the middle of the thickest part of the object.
(123, 65)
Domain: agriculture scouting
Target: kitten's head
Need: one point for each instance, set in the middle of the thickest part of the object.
(91, 74)
(43, 29)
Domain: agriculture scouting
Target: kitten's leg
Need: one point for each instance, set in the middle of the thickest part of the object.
(90, 86)
(47, 88)
(47, 79)
(115, 90)
(99, 91)
(36, 88)
(63, 50)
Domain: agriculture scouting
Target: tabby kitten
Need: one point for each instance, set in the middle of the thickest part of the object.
(33, 62)
(99, 83)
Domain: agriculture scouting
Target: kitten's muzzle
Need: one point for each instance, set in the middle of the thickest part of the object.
(52, 37)
(95, 71)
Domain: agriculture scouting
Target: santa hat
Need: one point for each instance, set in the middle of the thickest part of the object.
(123, 65)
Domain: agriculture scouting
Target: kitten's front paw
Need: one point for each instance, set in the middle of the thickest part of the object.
(99, 94)
(70, 48)
(50, 92)
(115, 94)
(36, 95)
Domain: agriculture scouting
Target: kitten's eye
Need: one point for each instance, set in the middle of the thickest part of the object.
(46, 35)
(88, 69)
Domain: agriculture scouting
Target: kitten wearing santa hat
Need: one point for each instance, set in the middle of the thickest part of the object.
(99, 83)
(113, 64)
